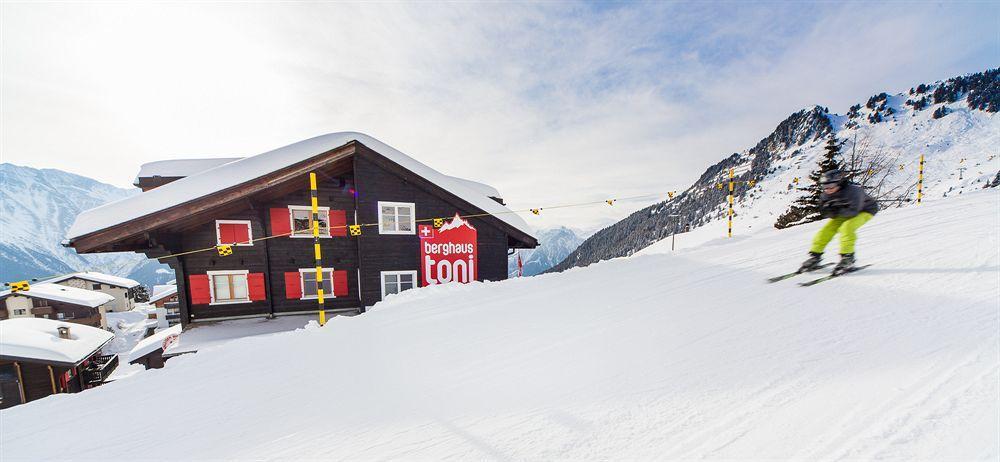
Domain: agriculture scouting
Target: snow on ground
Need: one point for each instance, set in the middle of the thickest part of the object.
(210, 335)
(681, 355)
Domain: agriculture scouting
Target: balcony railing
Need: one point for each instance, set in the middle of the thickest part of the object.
(99, 369)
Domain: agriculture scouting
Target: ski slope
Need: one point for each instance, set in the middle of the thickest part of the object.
(673, 355)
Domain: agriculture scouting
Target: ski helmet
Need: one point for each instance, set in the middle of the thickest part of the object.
(832, 177)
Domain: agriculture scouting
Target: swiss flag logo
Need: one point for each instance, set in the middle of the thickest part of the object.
(425, 231)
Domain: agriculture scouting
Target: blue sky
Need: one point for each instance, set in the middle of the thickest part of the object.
(550, 102)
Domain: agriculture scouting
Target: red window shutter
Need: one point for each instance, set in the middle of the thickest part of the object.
(281, 222)
(255, 283)
(198, 288)
(241, 233)
(293, 285)
(340, 283)
(227, 234)
(338, 223)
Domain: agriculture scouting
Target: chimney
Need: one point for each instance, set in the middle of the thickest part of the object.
(63, 332)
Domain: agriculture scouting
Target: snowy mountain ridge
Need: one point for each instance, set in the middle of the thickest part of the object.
(36, 208)
(554, 244)
(953, 123)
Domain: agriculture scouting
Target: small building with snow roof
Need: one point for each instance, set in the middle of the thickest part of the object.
(124, 290)
(54, 301)
(42, 357)
(259, 206)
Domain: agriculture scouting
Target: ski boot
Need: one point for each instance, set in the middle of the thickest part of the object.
(846, 264)
(812, 263)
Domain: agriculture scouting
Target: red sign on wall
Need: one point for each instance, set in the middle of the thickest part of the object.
(449, 253)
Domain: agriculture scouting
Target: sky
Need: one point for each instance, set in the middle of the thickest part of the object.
(550, 102)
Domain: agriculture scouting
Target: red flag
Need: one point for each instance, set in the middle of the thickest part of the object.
(520, 265)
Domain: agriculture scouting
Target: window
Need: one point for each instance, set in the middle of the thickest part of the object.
(19, 312)
(95, 286)
(228, 287)
(396, 218)
(394, 282)
(302, 221)
(39, 303)
(61, 315)
(233, 232)
(308, 276)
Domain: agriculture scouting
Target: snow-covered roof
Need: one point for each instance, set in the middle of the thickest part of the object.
(97, 277)
(38, 339)
(162, 291)
(65, 294)
(180, 167)
(482, 188)
(164, 339)
(247, 169)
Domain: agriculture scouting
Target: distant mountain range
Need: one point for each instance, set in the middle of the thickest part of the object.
(36, 208)
(953, 123)
(554, 245)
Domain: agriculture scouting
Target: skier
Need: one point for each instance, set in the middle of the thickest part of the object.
(848, 207)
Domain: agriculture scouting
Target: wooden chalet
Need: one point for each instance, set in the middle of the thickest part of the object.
(361, 182)
(123, 290)
(42, 357)
(57, 302)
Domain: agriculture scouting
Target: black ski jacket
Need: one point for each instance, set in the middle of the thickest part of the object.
(847, 202)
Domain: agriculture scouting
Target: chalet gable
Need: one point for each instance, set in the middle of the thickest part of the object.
(125, 224)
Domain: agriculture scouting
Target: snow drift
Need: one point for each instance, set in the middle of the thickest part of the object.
(678, 355)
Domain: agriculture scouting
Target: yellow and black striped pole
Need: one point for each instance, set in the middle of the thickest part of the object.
(730, 202)
(319, 255)
(920, 180)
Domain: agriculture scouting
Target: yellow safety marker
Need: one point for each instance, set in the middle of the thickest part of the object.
(795, 180)
(20, 286)
(536, 211)
(438, 222)
(920, 180)
(225, 250)
(355, 230)
(314, 196)
(610, 201)
(670, 194)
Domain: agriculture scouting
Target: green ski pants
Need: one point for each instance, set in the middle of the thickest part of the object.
(848, 229)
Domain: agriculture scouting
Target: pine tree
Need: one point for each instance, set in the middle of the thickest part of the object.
(806, 208)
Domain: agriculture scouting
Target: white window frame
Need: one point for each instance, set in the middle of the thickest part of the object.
(211, 286)
(308, 208)
(218, 236)
(413, 217)
(327, 273)
(383, 274)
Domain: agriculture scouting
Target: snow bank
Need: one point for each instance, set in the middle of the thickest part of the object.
(38, 339)
(672, 356)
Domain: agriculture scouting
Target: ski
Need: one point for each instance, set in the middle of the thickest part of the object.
(831, 276)
(796, 273)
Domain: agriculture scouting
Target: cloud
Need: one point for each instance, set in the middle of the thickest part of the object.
(550, 102)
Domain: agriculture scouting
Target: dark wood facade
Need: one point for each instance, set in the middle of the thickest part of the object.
(351, 178)
(23, 379)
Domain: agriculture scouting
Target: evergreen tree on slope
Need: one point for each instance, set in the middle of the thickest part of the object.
(806, 208)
